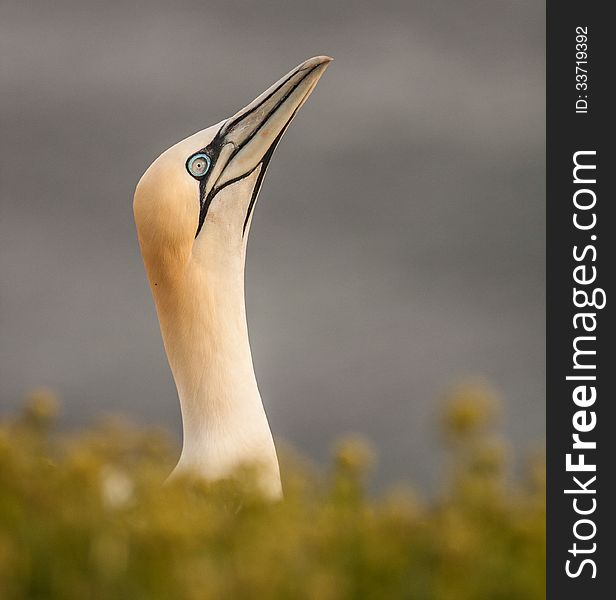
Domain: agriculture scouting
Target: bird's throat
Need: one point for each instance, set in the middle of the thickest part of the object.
(203, 323)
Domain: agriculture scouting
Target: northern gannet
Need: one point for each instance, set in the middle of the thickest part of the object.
(193, 209)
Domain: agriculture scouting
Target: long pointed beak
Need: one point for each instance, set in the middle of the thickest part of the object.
(249, 138)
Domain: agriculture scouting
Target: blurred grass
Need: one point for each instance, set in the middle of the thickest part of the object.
(86, 516)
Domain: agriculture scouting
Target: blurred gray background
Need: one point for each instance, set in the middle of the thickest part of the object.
(398, 245)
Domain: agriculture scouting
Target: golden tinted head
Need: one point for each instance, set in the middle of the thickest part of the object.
(166, 203)
(207, 185)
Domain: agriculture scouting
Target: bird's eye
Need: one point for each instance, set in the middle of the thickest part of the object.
(198, 165)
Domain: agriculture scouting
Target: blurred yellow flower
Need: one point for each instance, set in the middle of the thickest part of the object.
(86, 515)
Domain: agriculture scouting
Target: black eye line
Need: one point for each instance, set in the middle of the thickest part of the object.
(212, 151)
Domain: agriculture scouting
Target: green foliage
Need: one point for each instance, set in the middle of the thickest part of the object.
(86, 516)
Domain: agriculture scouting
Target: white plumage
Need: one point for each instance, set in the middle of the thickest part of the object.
(193, 208)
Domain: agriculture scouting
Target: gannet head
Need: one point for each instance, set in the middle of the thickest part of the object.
(196, 200)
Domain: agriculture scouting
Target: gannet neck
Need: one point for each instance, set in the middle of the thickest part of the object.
(203, 323)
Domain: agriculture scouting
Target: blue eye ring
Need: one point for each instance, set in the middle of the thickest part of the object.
(198, 165)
